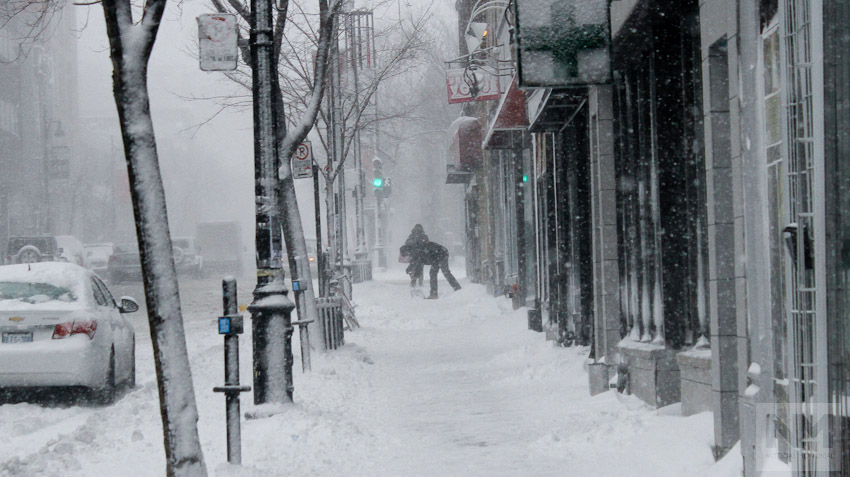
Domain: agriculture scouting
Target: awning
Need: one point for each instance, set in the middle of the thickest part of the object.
(509, 121)
(555, 108)
(465, 154)
(454, 176)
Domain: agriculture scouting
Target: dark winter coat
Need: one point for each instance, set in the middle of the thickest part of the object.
(428, 253)
(417, 236)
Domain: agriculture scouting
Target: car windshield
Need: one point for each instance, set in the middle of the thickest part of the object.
(35, 293)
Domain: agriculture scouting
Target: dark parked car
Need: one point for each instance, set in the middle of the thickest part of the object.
(124, 263)
(30, 249)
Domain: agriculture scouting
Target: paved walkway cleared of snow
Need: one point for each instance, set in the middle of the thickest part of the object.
(450, 387)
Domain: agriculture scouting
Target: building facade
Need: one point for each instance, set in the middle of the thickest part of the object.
(684, 216)
(38, 120)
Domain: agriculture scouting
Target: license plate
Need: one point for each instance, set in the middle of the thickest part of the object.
(17, 337)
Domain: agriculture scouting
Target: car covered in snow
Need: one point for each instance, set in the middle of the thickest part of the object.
(96, 256)
(70, 249)
(61, 328)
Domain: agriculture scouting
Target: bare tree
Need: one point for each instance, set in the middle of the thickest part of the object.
(31, 20)
(398, 44)
(131, 42)
(290, 137)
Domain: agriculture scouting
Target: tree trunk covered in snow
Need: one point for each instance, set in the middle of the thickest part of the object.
(289, 213)
(130, 48)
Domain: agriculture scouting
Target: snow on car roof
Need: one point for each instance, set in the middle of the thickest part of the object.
(59, 274)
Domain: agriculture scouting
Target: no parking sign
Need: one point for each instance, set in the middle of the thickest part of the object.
(302, 161)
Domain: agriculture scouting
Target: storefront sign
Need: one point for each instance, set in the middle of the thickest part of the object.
(561, 44)
(466, 85)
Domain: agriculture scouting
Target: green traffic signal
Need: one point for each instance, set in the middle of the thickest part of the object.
(378, 182)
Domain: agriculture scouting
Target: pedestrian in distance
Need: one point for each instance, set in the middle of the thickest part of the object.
(437, 257)
(417, 238)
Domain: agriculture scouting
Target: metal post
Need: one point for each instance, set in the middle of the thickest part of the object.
(320, 256)
(353, 33)
(333, 158)
(230, 325)
(271, 308)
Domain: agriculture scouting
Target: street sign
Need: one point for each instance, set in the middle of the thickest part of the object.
(217, 41)
(302, 161)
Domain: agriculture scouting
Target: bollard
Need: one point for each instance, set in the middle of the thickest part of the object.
(230, 325)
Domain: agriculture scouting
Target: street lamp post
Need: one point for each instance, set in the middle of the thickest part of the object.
(271, 308)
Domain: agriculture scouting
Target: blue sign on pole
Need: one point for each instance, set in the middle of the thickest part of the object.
(224, 325)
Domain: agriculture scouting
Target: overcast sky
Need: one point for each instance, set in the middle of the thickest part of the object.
(173, 75)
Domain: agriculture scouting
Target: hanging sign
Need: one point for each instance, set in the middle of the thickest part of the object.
(217, 40)
(562, 44)
(466, 85)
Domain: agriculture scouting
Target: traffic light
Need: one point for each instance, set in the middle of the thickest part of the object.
(378, 177)
(387, 186)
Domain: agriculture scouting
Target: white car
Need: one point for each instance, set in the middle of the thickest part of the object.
(60, 327)
(96, 256)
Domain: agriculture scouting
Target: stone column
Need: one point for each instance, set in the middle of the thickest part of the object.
(606, 293)
(724, 214)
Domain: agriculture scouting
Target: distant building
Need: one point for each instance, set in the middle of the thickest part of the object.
(38, 121)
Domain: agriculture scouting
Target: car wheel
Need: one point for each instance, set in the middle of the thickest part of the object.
(106, 394)
(28, 254)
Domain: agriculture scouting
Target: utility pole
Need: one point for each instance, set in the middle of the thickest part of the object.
(336, 170)
(271, 308)
(358, 31)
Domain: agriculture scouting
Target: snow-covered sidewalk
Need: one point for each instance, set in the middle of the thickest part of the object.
(451, 387)
(459, 387)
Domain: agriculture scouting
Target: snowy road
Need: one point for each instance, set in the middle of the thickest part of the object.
(455, 387)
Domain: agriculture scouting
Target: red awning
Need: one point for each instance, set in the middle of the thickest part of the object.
(510, 116)
(465, 152)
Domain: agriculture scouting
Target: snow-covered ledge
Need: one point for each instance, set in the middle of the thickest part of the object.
(653, 374)
(695, 369)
